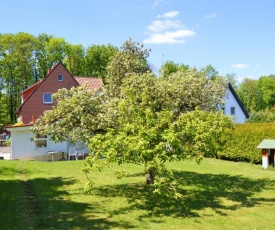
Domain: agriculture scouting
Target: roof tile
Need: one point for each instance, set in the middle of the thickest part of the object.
(92, 82)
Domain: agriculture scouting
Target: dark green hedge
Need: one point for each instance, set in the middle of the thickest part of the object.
(241, 144)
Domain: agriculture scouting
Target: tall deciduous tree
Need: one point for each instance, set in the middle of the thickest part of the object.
(249, 94)
(136, 127)
(4, 115)
(266, 86)
(130, 60)
(98, 57)
(231, 77)
(49, 51)
(210, 72)
(43, 62)
(149, 130)
(170, 67)
(148, 121)
(17, 66)
(75, 59)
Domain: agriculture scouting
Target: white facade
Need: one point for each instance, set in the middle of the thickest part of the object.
(233, 106)
(24, 147)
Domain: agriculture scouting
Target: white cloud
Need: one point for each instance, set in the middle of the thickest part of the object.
(157, 2)
(161, 25)
(170, 37)
(240, 66)
(170, 14)
(167, 29)
(210, 15)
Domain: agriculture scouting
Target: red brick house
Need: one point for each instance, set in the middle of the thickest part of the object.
(38, 98)
(34, 101)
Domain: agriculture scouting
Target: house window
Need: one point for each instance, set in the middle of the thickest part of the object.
(227, 96)
(47, 98)
(60, 77)
(40, 141)
(232, 110)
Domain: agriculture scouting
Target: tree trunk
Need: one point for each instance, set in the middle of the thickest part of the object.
(150, 177)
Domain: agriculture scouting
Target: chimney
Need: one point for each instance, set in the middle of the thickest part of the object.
(50, 69)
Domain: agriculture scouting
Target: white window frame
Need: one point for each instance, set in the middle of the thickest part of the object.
(39, 140)
(61, 77)
(47, 102)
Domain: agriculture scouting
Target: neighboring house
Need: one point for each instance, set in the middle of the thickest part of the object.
(233, 107)
(34, 101)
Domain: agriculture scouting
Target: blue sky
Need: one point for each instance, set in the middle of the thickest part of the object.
(234, 36)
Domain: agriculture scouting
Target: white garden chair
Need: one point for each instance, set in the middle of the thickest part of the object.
(72, 152)
(80, 152)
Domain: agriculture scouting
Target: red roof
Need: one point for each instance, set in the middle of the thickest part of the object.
(29, 90)
(92, 82)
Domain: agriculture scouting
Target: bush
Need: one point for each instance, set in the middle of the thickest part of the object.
(241, 144)
(262, 116)
(7, 142)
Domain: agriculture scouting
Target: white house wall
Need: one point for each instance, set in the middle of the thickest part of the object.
(24, 148)
(230, 101)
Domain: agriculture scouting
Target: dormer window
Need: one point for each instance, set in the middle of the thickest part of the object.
(47, 98)
(60, 77)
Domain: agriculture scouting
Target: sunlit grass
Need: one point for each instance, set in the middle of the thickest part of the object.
(215, 195)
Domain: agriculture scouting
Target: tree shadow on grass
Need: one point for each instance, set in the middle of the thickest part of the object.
(39, 204)
(219, 192)
(8, 171)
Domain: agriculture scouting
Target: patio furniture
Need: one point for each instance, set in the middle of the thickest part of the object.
(72, 152)
(53, 153)
(80, 152)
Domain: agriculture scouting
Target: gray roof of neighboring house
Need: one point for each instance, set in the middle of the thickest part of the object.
(267, 144)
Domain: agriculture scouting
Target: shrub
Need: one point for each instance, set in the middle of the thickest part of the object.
(241, 144)
(262, 116)
(7, 142)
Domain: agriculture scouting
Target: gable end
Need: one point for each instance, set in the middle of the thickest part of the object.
(238, 100)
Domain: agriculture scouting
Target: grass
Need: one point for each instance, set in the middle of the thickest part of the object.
(215, 195)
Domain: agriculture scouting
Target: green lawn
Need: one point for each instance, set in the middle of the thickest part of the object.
(216, 195)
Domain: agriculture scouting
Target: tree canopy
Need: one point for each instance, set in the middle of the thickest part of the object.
(148, 121)
(170, 67)
(98, 58)
(258, 95)
(130, 60)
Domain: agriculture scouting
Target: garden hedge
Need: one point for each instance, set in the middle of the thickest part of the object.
(241, 144)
